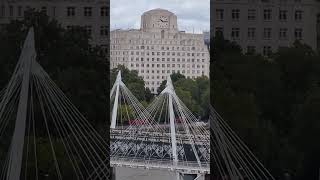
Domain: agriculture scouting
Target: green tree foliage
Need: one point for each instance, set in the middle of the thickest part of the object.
(126, 114)
(76, 67)
(272, 103)
(195, 94)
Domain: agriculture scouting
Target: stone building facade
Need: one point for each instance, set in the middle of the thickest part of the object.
(263, 26)
(91, 14)
(159, 49)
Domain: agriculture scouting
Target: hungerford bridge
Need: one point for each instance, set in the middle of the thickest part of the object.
(44, 137)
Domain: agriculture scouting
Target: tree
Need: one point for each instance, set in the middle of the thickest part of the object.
(194, 93)
(78, 69)
(271, 103)
(174, 77)
(67, 56)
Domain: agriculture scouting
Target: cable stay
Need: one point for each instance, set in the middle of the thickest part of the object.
(42, 134)
(189, 138)
(165, 135)
(231, 158)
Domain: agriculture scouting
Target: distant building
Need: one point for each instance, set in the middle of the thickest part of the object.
(206, 38)
(91, 14)
(265, 25)
(159, 49)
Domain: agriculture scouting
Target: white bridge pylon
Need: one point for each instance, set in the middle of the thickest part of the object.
(184, 128)
(116, 99)
(164, 135)
(126, 110)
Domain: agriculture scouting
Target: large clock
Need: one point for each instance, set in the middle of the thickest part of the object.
(163, 22)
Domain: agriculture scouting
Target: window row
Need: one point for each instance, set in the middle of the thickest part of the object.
(104, 30)
(146, 77)
(161, 48)
(180, 42)
(252, 15)
(283, 33)
(143, 72)
(152, 53)
(155, 42)
(148, 53)
(18, 11)
(168, 65)
(158, 59)
(168, 48)
(168, 60)
(266, 51)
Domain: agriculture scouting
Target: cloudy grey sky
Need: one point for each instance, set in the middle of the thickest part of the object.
(193, 15)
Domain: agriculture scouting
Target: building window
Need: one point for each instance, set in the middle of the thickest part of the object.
(251, 33)
(267, 14)
(87, 11)
(267, 50)
(71, 11)
(104, 11)
(44, 9)
(283, 33)
(103, 30)
(19, 11)
(220, 14)
(88, 29)
(298, 15)
(28, 8)
(3, 11)
(235, 14)
(162, 34)
(251, 14)
(267, 33)
(54, 11)
(235, 33)
(283, 15)
(298, 33)
(70, 28)
(11, 11)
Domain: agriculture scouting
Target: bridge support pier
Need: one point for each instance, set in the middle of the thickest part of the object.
(178, 176)
(191, 177)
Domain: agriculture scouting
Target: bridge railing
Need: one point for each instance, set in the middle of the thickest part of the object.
(160, 162)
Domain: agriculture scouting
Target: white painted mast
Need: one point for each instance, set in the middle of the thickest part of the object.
(170, 91)
(17, 145)
(116, 101)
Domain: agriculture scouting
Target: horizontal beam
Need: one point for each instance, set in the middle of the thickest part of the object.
(162, 166)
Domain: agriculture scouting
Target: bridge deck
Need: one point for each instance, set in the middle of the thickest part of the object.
(157, 137)
(185, 167)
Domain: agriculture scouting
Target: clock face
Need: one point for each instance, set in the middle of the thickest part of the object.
(163, 22)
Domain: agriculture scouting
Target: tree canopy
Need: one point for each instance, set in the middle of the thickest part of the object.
(272, 103)
(195, 93)
(78, 68)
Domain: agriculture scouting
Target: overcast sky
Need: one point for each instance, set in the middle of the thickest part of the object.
(193, 15)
